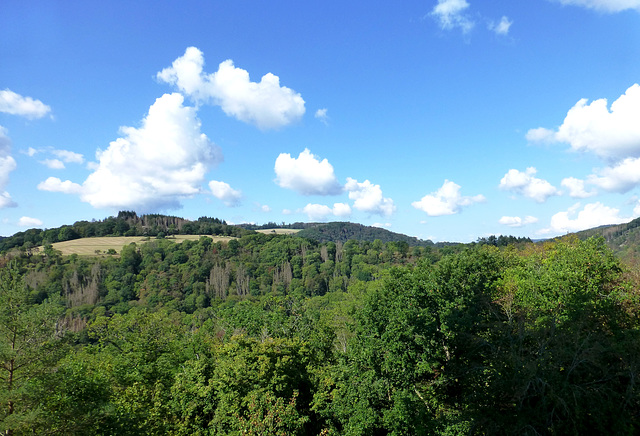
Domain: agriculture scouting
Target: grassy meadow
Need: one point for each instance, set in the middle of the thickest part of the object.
(101, 245)
(278, 231)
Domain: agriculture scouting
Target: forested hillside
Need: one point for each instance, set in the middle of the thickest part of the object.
(343, 231)
(125, 224)
(276, 334)
(623, 239)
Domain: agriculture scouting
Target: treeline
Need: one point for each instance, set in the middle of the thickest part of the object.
(125, 224)
(503, 241)
(281, 335)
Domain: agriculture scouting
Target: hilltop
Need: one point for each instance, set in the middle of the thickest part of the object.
(344, 231)
(623, 239)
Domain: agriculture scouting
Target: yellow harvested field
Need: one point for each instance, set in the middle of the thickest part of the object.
(90, 246)
(278, 231)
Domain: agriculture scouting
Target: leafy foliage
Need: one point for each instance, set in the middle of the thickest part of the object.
(274, 334)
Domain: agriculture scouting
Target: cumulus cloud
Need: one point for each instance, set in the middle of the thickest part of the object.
(321, 114)
(593, 215)
(306, 174)
(576, 188)
(368, 197)
(609, 133)
(524, 183)
(446, 200)
(317, 212)
(15, 104)
(341, 209)
(152, 167)
(222, 191)
(54, 184)
(321, 212)
(502, 27)
(605, 5)
(620, 177)
(7, 164)
(516, 221)
(264, 104)
(26, 221)
(450, 14)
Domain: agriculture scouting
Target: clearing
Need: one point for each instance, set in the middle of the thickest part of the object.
(101, 245)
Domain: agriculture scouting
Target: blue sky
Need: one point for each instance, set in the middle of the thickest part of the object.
(444, 119)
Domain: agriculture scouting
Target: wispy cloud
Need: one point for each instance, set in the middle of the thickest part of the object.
(605, 5)
(450, 14)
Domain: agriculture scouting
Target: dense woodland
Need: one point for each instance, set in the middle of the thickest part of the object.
(283, 335)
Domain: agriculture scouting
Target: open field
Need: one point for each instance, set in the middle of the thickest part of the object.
(88, 246)
(278, 231)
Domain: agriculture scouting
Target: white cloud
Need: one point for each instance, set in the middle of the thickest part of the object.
(593, 215)
(63, 156)
(321, 212)
(69, 156)
(381, 225)
(576, 188)
(54, 184)
(620, 177)
(611, 134)
(15, 104)
(54, 164)
(321, 114)
(26, 221)
(341, 209)
(306, 175)
(516, 221)
(7, 164)
(450, 14)
(222, 191)
(367, 197)
(6, 200)
(605, 5)
(501, 28)
(541, 134)
(317, 212)
(152, 167)
(446, 200)
(265, 104)
(265, 208)
(524, 183)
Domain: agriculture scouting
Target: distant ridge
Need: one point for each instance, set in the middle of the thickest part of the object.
(343, 231)
(623, 239)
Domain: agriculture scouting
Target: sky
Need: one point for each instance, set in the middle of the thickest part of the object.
(447, 120)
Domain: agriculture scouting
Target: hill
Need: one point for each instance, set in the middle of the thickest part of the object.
(125, 224)
(343, 231)
(623, 239)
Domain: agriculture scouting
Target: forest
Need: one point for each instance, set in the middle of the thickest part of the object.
(283, 335)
